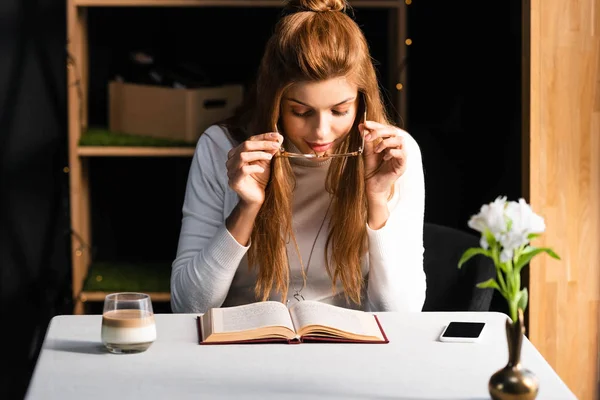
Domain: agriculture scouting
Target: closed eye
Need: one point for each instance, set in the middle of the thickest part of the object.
(339, 113)
(309, 113)
(304, 114)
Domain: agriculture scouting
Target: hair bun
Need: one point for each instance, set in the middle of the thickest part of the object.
(316, 5)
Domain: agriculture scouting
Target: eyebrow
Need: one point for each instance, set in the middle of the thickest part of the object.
(335, 105)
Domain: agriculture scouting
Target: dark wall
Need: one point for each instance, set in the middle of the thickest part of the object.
(464, 100)
(464, 110)
(464, 106)
(34, 226)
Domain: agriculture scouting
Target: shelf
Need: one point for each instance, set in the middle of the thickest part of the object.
(220, 3)
(108, 277)
(99, 296)
(108, 151)
(98, 142)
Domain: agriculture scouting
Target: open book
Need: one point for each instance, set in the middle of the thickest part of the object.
(272, 322)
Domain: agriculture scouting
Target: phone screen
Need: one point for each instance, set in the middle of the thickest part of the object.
(463, 329)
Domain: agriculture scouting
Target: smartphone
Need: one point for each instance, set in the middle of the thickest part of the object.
(459, 331)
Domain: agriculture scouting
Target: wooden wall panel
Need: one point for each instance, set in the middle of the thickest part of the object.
(562, 58)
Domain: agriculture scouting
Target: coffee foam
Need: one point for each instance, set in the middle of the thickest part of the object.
(127, 318)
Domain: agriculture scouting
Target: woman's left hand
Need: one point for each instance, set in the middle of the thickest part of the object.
(385, 157)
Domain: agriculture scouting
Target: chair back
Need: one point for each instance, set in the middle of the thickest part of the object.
(448, 287)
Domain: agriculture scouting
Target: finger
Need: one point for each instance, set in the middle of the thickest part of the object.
(380, 133)
(239, 174)
(263, 145)
(245, 158)
(370, 144)
(374, 133)
(372, 125)
(396, 142)
(270, 136)
(398, 154)
(264, 137)
(251, 146)
(251, 156)
(231, 153)
(375, 130)
(251, 169)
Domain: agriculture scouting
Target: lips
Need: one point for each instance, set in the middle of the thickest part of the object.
(320, 147)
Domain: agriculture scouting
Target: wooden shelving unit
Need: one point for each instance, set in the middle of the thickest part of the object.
(78, 85)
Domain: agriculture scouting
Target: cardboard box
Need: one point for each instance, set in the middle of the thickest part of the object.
(178, 114)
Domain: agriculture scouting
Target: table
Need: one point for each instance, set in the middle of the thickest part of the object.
(414, 365)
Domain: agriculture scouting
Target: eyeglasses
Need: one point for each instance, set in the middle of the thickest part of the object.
(287, 154)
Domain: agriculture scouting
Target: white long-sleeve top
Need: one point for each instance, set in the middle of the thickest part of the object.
(211, 268)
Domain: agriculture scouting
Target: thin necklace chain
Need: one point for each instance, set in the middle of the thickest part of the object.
(298, 293)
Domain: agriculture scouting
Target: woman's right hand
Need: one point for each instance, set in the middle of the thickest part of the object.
(249, 166)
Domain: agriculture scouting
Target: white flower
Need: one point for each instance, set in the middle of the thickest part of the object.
(490, 217)
(506, 255)
(510, 241)
(509, 222)
(524, 220)
(512, 224)
(483, 243)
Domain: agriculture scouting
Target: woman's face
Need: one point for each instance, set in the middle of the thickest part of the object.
(316, 116)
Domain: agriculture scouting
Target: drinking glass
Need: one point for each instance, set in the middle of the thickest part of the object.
(128, 323)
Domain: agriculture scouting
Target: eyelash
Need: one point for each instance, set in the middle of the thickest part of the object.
(334, 112)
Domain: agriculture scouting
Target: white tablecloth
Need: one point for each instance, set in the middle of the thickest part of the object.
(414, 365)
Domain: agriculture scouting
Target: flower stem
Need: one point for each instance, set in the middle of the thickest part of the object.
(513, 309)
(501, 281)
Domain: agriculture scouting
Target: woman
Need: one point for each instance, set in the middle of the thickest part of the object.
(299, 195)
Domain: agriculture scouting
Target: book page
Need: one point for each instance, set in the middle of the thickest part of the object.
(316, 313)
(251, 316)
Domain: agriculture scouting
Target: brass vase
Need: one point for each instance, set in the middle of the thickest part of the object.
(513, 381)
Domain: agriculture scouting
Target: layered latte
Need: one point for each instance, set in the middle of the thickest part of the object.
(128, 330)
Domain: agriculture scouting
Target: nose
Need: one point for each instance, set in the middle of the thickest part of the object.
(323, 125)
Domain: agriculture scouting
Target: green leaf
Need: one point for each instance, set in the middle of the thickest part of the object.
(531, 252)
(523, 298)
(490, 283)
(551, 253)
(532, 236)
(473, 251)
(489, 237)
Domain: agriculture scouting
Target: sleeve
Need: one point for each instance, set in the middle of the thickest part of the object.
(396, 278)
(207, 255)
